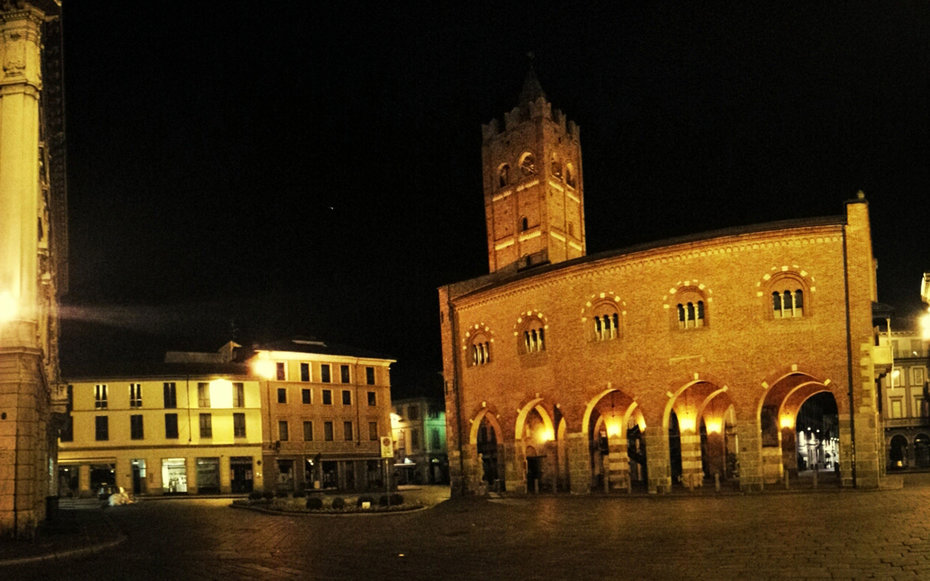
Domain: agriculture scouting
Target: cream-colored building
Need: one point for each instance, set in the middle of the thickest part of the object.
(906, 410)
(418, 425)
(325, 408)
(33, 255)
(192, 424)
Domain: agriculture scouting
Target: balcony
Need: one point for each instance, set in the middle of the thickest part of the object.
(907, 422)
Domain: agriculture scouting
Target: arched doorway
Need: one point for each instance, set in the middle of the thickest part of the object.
(897, 453)
(488, 455)
(697, 422)
(538, 435)
(818, 434)
(614, 425)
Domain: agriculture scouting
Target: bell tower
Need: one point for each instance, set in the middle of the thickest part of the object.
(533, 187)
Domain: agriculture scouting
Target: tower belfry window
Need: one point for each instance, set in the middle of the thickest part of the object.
(528, 164)
(503, 175)
(524, 224)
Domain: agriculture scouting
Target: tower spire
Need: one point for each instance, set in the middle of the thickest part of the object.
(532, 90)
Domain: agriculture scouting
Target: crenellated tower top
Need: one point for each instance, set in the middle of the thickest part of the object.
(533, 188)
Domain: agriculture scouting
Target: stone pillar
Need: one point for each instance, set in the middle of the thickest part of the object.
(84, 490)
(692, 474)
(618, 463)
(658, 465)
(579, 463)
(24, 396)
(749, 455)
(789, 452)
(226, 475)
(514, 462)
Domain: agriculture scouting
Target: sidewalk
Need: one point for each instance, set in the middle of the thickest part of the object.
(79, 527)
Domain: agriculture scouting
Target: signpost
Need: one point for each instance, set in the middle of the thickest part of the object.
(387, 452)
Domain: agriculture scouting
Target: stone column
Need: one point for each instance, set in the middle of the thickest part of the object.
(692, 474)
(658, 465)
(749, 455)
(618, 463)
(514, 463)
(226, 475)
(24, 397)
(579, 463)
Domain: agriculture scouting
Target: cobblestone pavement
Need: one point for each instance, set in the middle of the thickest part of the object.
(799, 535)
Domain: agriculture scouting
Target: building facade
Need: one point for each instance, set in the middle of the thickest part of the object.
(419, 431)
(325, 408)
(668, 364)
(191, 425)
(33, 255)
(905, 406)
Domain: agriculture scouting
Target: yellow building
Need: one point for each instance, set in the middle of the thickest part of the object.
(906, 409)
(33, 254)
(325, 408)
(192, 424)
(418, 425)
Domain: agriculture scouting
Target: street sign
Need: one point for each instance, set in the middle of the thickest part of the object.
(387, 447)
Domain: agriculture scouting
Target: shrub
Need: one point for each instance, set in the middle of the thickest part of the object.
(339, 503)
(314, 503)
(268, 495)
(300, 494)
(280, 494)
(396, 499)
(367, 499)
(255, 495)
(383, 501)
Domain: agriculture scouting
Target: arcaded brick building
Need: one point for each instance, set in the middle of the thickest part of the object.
(664, 364)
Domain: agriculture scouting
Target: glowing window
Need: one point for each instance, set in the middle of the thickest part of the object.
(528, 164)
(787, 292)
(570, 175)
(479, 350)
(555, 166)
(605, 322)
(100, 396)
(534, 337)
(690, 311)
(503, 175)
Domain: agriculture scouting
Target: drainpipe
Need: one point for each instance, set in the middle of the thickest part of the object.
(849, 365)
(455, 388)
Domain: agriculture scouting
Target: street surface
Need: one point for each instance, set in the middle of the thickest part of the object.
(799, 535)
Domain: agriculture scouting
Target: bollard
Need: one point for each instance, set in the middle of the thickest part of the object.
(690, 483)
(606, 483)
(815, 477)
(786, 480)
(536, 485)
(717, 481)
(629, 486)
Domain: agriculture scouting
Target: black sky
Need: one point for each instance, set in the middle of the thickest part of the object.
(259, 169)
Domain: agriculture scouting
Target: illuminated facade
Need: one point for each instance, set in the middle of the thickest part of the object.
(325, 408)
(419, 430)
(33, 254)
(190, 425)
(667, 364)
(905, 406)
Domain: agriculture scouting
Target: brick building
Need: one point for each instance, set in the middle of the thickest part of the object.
(664, 364)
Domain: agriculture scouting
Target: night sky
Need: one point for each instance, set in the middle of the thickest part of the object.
(257, 170)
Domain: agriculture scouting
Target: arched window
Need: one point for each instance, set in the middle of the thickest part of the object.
(605, 322)
(555, 166)
(479, 351)
(570, 174)
(690, 309)
(531, 333)
(528, 164)
(503, 175)
(788, 296)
